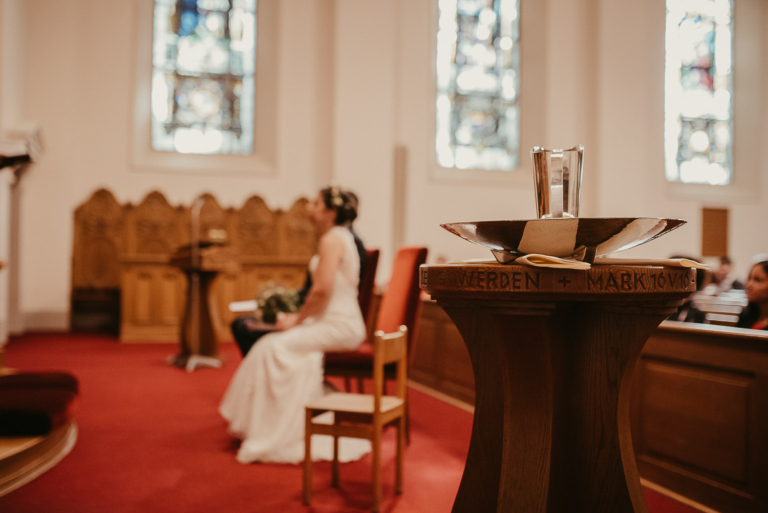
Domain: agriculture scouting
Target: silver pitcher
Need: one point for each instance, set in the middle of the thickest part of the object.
(557, 181)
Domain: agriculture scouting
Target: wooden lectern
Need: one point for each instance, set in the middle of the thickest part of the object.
(200, 264)
(553, 353)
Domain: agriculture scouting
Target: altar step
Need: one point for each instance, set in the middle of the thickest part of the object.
(22, 459)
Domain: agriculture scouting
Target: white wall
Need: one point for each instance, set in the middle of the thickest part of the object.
(5, 237)
(598, 68)
(558, 110)
(630, 128)
(11, 62)
(365, 62)
(11, 92)
(79, 86)
(355, 80)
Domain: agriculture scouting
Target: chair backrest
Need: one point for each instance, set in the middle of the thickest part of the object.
(365, 291)
(401, 303)
(389, 348)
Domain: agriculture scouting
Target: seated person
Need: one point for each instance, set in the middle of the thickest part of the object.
(722, 280)
(264, 402)
(755, 315)
(247, 329)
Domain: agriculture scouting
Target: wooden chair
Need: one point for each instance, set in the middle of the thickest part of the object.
(364, 416)
(400, 305)
(365, 292)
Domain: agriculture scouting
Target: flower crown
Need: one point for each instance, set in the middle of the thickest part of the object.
(337, 197)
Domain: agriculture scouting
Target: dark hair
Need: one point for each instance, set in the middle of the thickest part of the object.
(751, 313)
(342, 202)
(724, 260)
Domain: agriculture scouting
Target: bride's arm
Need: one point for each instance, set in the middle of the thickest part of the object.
(330, 252)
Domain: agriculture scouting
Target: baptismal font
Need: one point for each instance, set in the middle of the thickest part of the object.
(554, 327)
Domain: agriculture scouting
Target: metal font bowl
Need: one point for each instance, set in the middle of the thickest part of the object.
(582, 238)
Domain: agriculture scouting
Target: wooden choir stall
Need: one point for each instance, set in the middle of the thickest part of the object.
(123, 279)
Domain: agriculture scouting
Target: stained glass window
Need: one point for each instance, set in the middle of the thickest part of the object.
(698, 126)
(478, 81)
(202, 80)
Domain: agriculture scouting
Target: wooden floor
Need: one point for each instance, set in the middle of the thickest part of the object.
(12, 446)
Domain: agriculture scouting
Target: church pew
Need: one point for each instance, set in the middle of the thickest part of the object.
(700, 414)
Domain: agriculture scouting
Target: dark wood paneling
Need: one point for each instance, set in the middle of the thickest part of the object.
(700, 415)
(441, 360)
(714, 232)
(696, 417)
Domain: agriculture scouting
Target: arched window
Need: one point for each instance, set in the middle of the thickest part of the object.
(203, 76)
(478, 80)
(698, 123)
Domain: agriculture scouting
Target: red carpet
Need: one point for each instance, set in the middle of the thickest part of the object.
(151, 441)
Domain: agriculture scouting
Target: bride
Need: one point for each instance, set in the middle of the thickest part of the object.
(264, 403)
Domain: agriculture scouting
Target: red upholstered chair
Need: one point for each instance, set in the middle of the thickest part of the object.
(400, 305)
(367, 282)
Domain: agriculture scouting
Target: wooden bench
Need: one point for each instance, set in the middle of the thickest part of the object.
(722, 310)
(700, 414)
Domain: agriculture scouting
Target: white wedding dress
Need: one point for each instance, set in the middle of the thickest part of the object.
(283, 372)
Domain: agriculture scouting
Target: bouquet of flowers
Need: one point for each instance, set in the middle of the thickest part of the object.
(275, 299)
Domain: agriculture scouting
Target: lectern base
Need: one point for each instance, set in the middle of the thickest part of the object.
(193, 361)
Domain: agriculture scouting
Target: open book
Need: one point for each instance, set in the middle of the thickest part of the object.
(243, 306)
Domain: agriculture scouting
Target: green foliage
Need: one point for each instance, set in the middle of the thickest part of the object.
(277, 299)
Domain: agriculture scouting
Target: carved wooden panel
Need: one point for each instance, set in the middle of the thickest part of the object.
(256, 232)
(170, 305)
(141, 307)
(128, 248)
(213, 222)
(154, 227)
(290, 275)
(152, 303)
(98, 244)
(296, 235)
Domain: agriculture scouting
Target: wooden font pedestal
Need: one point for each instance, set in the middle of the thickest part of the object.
(553, 352)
